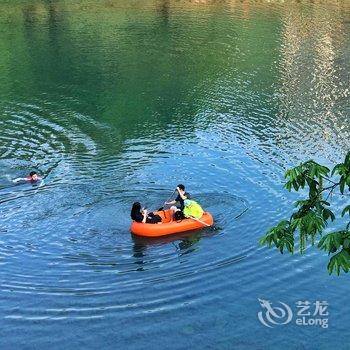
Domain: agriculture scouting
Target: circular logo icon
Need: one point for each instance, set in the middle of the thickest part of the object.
(274, 315)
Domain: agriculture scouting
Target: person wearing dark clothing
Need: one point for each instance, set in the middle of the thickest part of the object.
(181, 197)
(178, 203)
(139, 214)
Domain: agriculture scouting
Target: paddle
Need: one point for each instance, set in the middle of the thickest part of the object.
(162, 208)
(202, 222)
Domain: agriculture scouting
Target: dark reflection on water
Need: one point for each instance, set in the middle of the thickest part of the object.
(117, 101)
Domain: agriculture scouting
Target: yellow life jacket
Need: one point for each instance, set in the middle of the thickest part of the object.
(194, 210)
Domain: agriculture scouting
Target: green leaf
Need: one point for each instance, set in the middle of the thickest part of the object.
(313, 189)
(332, 241)
(339, 261)
(348, 180)
(281, 236)
(346, 209)
(323, 170)
(301, 203)
(347, 159)
(346, 243)
(313, 170)
(342, 185)
(338, 169)
(328, 214)
(283, 224)
(288, 186)
(293, 174)
(313, 214)
(295, 185)
(300, 179)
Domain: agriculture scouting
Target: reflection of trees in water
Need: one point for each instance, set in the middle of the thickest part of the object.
(164, 10)
(46, 42)
(313, 71)
(28, 15)
(120, 52)
(40, 18)
(310, 43)
(53, 21)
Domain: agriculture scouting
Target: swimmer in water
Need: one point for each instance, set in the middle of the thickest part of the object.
(33, 178)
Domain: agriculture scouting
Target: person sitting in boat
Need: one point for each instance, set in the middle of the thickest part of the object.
(182, 195)
(192, 209)
(33, 178)
(140, 214)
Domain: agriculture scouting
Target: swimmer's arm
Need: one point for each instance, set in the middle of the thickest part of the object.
(19, 179)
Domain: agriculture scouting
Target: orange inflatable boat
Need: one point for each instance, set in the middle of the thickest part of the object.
(168, 227)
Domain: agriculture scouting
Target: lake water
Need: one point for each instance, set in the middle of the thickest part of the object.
(117, 101)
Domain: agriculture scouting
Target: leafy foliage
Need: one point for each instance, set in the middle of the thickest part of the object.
(313, 214)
